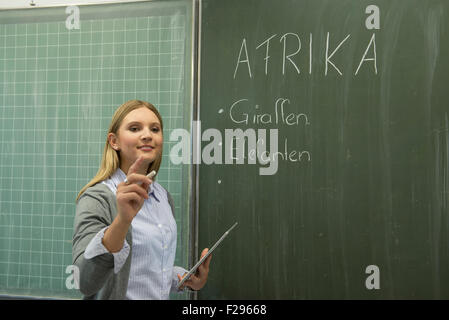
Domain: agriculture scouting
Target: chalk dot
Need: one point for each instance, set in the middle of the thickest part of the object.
(220, 111)
(219, 181)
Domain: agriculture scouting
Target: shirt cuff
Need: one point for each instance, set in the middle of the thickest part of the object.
(175, 280)
(96, 248)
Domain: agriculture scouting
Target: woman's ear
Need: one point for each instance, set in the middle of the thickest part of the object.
(112, 139)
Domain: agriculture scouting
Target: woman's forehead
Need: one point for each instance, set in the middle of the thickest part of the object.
(142, 114)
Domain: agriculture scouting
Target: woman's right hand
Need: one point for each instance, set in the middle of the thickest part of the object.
(131, 195)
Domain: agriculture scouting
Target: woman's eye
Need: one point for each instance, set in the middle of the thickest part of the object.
(155, 129)
(134, 129)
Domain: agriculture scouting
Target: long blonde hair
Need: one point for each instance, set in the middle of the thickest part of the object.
(110, 160)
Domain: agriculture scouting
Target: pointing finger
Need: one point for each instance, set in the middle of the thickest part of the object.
(136, 165)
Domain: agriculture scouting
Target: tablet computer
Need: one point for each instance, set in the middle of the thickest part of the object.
(193, 270)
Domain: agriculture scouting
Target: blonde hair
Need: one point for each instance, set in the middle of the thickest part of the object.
(110, 161)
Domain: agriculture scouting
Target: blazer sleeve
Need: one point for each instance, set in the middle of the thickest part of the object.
(93, 213)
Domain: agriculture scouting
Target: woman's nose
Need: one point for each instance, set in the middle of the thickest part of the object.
(147, 134)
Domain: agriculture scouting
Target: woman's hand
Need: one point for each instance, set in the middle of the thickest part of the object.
(130, 198)
(132, 194)
(199, 279)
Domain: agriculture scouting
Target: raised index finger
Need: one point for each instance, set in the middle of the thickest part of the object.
(135, 166)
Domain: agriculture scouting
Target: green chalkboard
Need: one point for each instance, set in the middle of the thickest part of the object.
(59, 87)
(356, 205)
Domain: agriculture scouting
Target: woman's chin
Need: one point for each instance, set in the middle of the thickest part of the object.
(148, 157)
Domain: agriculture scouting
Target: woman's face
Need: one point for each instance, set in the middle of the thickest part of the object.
(140, 134)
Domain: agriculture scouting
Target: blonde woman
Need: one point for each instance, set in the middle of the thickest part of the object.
(124, 240)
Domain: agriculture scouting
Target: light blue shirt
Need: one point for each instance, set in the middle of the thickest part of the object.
(152, 274)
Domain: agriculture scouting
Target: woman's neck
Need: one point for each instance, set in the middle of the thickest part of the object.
(142, 170)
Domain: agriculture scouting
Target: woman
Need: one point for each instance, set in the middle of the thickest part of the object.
(124, 241)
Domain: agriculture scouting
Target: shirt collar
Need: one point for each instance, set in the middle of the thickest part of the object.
(119, 176)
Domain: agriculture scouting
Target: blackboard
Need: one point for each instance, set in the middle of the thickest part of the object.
(356, 93)
(59, 87)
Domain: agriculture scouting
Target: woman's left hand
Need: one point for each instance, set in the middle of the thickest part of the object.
(199, 279)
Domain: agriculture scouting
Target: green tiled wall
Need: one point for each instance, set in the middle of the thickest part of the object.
(58, 91)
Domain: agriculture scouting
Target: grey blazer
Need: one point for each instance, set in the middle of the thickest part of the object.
(96, 209)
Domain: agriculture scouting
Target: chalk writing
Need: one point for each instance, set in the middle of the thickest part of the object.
(254, 116)
(291, 47)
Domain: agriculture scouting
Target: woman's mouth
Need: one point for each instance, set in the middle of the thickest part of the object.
(146, 148)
